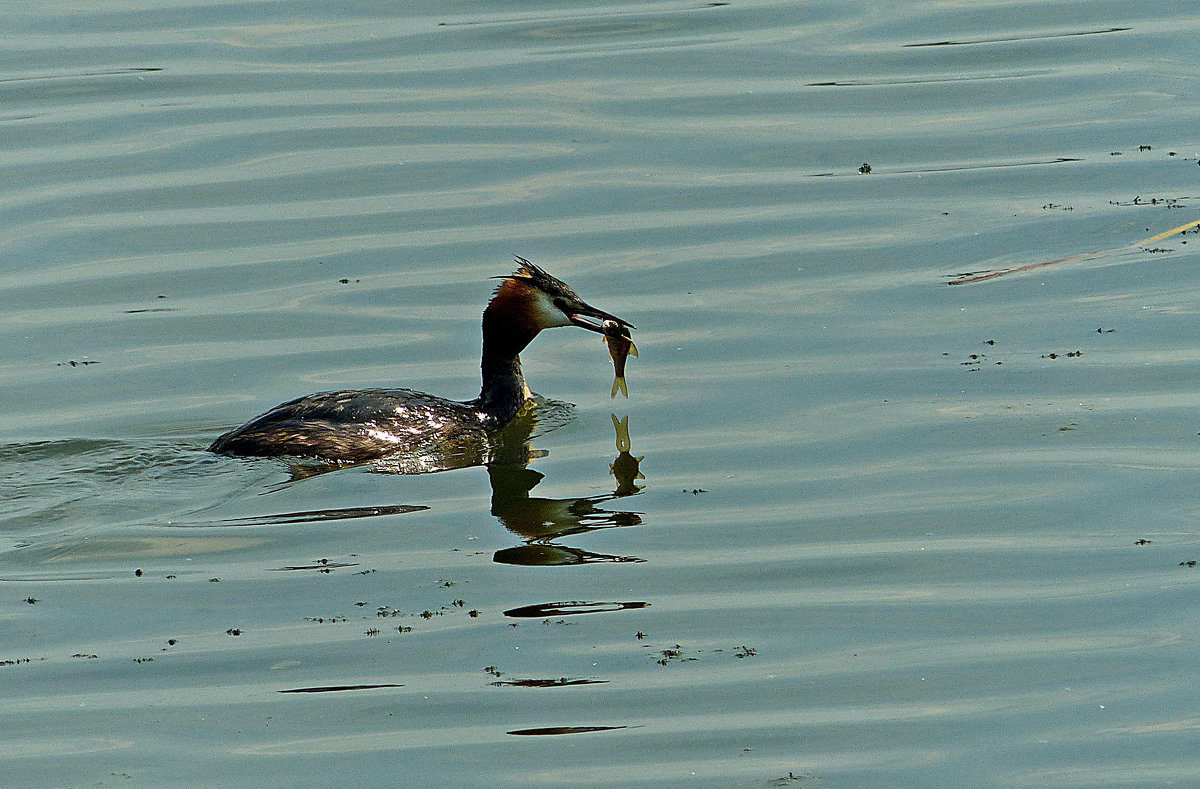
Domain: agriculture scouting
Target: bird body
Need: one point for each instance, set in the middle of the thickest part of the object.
(367, 424)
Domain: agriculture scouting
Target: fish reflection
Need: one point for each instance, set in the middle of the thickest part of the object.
(626, 468)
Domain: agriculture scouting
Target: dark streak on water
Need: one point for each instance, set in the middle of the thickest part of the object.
(1002, 40)
(319, 516)
(556, 730)
(339, 688)
(542, 610)
(561, 682)
(108, 73)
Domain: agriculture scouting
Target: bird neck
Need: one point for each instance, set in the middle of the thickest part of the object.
(504, 390)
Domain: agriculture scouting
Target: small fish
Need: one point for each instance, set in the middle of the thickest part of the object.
(620, 347)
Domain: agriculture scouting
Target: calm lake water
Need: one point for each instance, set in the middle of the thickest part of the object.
(886, 533)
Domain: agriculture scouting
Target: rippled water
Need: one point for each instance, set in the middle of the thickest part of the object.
(886, 532)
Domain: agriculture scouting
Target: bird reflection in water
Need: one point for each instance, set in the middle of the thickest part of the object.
(541, 522)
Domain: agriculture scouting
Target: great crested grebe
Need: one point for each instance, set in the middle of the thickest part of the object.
(367, 424)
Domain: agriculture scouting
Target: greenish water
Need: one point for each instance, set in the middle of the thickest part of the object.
(889, 532)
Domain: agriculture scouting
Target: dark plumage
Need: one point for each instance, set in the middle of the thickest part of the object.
(358, 425)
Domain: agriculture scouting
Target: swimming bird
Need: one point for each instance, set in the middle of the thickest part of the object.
(368, 424)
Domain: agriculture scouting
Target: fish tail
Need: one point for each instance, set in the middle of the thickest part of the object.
(619, 385)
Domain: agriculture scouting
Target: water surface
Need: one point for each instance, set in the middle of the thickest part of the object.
(887, 533)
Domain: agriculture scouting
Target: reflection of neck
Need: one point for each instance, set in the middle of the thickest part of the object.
(510, 492)
(511, 478)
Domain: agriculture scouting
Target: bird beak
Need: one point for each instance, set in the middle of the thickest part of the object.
(588, 317)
